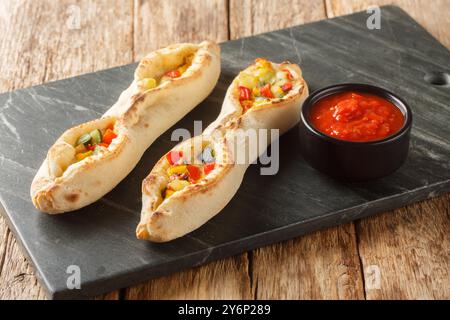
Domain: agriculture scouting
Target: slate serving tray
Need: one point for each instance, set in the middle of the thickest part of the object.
(100, 240)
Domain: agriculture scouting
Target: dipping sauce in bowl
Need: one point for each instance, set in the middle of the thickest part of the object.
(355, 131)
(356, 116)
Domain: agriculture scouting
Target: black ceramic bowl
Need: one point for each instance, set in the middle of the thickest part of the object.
(354, 161)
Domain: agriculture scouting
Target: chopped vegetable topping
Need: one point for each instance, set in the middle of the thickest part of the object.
(174, 156)
(209, 167)
(287, 87)
(244, 93)
(178, 169)
(173, 74)
(84, 155)
(83, 139)
(181, 175)
(96, 136)
(266, 92)
(177, 185)
(261, 82)
(208, 155)
(288, 74)
(92, 143)
(109, 136)
(194, 172)
(150, 83)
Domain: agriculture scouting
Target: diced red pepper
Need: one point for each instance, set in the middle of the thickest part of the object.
(288, 74)
(102, 144)
(90, 147)
(246, 104)
(209, 167)
(266, 92)
(244, 93)
(109, 136)
(287, 87)
(174, 156)
(173, 74)
(194, 172)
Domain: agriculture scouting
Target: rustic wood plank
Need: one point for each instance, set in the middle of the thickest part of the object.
(256, 16)
(432, 15)
(41, 41)
(409, 247)
(322, 265)
(223, 279)
(405, 253)
(158, 24)
(49, 50)
(295, 269)
(17, 279)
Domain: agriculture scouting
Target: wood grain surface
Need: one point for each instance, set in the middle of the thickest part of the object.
(397, 255)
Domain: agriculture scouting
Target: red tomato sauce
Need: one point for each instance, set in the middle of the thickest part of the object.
(356, 116)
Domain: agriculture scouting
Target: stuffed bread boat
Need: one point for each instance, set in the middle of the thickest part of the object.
(90, 159)
(197, 178)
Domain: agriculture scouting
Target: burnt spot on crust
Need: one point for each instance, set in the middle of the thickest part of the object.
(146, 125)
(141, 232)
(154, 219)
(134, 109)
(138, 99)
(276, 101)
(73, 197)
(204, 190)
(150, 179)
(207, 58)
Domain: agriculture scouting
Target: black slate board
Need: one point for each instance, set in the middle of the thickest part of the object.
(100, 238)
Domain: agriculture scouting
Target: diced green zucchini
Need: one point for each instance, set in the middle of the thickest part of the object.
(84, 139)
(96, 136)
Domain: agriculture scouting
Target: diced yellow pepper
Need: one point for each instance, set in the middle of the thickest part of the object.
(188, 59)
(263, 63)
(247, 80)
(277, 91)
(169, 193)
(148, 83)
(177, 170)
(177, 185)
(84, 155)
(260, 102)
(264, 74)
(183, 68)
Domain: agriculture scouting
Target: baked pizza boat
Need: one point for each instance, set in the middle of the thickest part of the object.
(197, 178)
(90, 159)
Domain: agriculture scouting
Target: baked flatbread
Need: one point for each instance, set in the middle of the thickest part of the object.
(196, 179)
(89, 160)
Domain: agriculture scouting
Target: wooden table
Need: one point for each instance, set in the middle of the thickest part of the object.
(403, 254)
